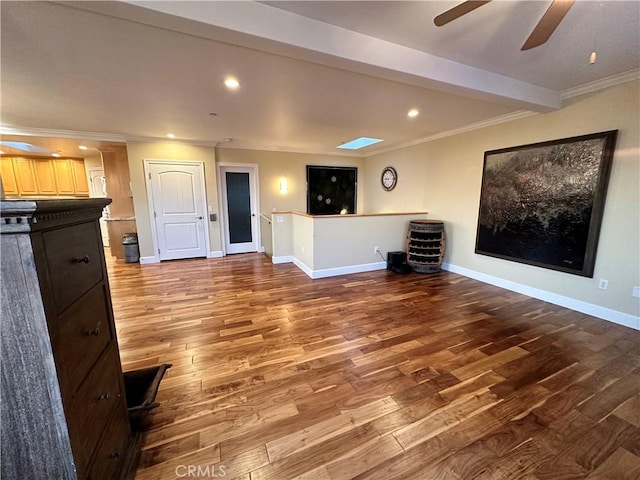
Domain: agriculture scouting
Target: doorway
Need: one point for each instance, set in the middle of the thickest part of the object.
(177, 205)
(98, 188)
(239, 200)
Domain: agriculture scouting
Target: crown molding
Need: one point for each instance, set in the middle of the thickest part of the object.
(601, 84)
(508, 117)
(46, 132)
(227, 146)
(590, 87)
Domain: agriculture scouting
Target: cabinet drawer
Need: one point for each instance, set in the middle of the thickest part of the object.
(112, 451)
(74, 257)
(94, 405)
(83, 333)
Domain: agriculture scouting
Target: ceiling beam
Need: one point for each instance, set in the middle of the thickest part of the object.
(262, 27)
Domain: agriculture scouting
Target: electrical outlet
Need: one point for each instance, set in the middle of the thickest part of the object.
(636, 291)
(603, 284)
(376, 249)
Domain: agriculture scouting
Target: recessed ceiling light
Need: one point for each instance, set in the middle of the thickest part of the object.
(359, 143)
(231, 83)
(82, 147)
(170, 135)
(55, 155)
(413, 113)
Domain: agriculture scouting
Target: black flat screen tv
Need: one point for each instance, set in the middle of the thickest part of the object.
(331, 190)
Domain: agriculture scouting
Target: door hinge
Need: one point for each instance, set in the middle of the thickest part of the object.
(155, 215)
(149, 175)
(158, 251)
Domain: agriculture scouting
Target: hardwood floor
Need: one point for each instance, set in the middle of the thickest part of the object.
(372, 376)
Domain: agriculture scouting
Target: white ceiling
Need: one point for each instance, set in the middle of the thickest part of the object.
(312, 74)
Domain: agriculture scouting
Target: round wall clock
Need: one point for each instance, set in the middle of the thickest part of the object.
(389, 178)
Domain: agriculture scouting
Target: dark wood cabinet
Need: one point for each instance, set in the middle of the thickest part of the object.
(63, 405)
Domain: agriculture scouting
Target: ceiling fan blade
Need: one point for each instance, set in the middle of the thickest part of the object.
(458, 11)
(548, 23)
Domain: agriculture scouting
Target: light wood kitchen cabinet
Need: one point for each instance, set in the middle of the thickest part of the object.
(9, 183)
(40, 177)
(25, 176)
(64, 176)
(80, 183)
(45, 177)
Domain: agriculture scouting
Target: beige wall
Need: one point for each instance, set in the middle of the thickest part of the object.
(341, 241)
(140, 151)
(409, 194)
(282, 235)
(446, 176)
(275, 165)
(303, 239)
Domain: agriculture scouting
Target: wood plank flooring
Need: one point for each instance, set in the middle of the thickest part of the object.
(372, 376)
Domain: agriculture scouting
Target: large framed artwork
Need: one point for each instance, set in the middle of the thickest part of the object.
(542, 204)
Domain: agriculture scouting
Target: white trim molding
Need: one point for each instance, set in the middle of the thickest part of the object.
(282, 259)
(615, 316)
(215, 254)
(149, 260)
(601, 84)
(337, 271)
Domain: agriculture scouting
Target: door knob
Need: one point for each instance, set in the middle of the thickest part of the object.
(199, 218)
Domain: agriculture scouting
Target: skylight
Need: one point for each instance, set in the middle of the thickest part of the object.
(25, 147)
(359, 143)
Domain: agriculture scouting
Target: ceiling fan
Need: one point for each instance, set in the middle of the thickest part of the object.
(540, 34)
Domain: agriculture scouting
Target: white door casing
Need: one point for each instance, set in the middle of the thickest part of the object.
(178, 208)
(98, 188)
(229, 210)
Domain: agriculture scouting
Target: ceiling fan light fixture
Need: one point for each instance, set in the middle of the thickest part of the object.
(413, 113)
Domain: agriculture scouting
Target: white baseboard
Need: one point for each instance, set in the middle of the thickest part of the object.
(303, 267)
(615, 316)
(215, 254)
(148, 260)
(334, 272)
(282, 259)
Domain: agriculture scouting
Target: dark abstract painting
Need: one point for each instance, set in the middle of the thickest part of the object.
(542, 204)
(331, 190)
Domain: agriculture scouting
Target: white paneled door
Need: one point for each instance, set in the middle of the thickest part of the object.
(178, 209)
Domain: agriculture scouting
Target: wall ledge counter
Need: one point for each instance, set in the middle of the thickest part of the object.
(330, 245)
(350, 215)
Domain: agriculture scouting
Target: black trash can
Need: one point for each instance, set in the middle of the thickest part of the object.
(130, 247)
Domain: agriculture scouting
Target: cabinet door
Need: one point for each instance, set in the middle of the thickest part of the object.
(25, 176)
(45, 177)
(64, 176)
(8, 177)
(80, 183)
